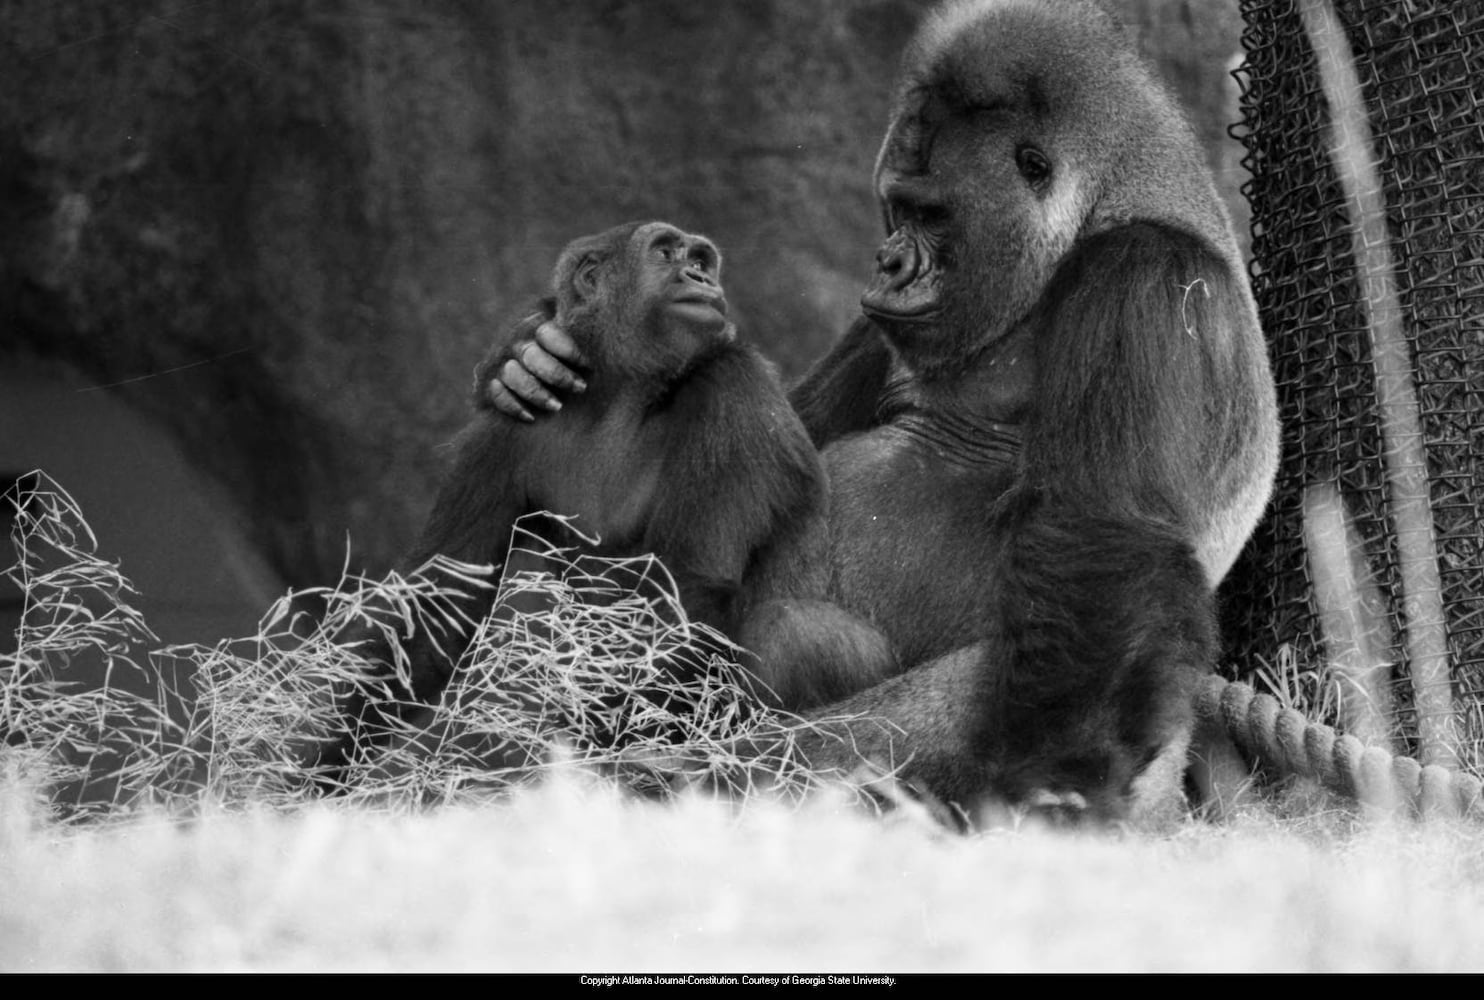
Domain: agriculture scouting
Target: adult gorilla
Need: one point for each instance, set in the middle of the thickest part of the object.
(1051, 431)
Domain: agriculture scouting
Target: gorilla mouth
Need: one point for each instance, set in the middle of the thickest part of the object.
(887, 314)
(914, 304)
(898, 296)
(717, 302)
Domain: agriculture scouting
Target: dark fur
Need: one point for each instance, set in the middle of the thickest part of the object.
(1044, 443)
(1072, 426)
(684, 446)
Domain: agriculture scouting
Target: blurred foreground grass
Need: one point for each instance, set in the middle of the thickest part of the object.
(576, 878)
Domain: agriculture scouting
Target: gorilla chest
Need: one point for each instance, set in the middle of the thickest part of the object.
(606, 477)
(910, 542)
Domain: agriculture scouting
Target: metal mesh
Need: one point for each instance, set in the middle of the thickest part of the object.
(1421, 70)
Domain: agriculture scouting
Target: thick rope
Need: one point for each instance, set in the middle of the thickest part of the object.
(1287, 743)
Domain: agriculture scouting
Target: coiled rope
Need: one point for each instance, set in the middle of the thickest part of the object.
(1286, 742)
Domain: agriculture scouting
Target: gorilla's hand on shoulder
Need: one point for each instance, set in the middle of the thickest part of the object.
(521, 372)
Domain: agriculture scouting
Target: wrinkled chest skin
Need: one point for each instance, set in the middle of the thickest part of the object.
(901, 513)
(915, 499)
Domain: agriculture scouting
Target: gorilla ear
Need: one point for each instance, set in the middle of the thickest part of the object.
(576, 279)
(585, 277)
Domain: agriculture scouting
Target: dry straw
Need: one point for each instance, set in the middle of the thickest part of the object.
(580, 664)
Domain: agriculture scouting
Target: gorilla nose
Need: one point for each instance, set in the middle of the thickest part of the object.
(897, 262)
(906, 286)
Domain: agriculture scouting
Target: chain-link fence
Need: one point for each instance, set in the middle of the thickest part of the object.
(1364, 132)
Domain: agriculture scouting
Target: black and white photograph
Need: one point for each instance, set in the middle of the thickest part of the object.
(745, 493)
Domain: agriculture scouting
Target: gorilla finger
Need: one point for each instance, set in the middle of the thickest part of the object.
(505, 401)
(548, 369)
(526, 328)
(557, 342)
(516, 377)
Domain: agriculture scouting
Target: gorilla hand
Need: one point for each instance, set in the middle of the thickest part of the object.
(524, 372)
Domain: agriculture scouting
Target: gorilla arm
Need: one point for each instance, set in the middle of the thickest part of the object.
(735, 465)
(744, 528)
(839, 394)
(1085, 679)
(1153, 398)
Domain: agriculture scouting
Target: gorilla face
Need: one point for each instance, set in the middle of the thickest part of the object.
(980, 204)
(645, 297)
(981, 186)
(972, 234)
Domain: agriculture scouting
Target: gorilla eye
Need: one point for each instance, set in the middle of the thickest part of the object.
(1033, 166)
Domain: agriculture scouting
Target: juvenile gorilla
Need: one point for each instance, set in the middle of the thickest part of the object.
(684, 445)
(1052, 430)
